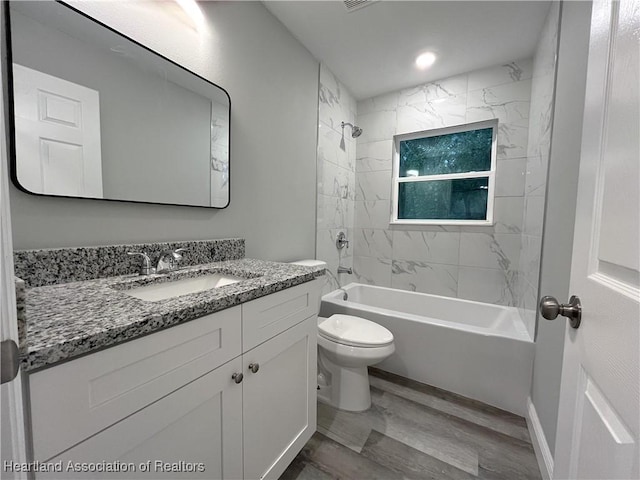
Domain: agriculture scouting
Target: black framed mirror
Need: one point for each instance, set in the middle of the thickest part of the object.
(98, 115)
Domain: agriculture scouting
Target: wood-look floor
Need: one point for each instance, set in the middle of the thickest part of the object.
(416, 431)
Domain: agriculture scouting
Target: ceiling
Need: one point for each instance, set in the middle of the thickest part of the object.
(372, 50)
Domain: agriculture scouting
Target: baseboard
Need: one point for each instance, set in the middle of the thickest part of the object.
(540, 445)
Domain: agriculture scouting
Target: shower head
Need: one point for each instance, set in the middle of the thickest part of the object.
(355, 130)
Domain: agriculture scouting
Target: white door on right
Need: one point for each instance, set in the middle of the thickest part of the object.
(599, 413)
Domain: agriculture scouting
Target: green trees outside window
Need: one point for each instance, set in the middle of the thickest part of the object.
(445, 175)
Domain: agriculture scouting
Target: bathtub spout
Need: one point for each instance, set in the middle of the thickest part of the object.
(345, 296)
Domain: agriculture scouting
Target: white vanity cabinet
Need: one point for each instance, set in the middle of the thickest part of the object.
(173, 405)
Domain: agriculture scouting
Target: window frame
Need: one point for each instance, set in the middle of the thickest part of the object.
(490, 174)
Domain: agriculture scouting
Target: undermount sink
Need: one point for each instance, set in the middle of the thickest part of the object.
(185, 286)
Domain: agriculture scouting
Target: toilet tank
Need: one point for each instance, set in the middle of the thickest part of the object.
(310, 263)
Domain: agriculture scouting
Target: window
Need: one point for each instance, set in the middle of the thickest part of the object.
(445, 176)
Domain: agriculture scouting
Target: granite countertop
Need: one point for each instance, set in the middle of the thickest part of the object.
(72, 319)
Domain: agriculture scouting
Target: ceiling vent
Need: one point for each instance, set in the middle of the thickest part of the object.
(353, 5)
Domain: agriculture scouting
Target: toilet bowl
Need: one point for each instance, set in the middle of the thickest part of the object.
(347, 345)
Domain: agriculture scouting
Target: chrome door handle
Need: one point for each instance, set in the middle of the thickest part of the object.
(237, 377)
(550, 309)
(254, 367)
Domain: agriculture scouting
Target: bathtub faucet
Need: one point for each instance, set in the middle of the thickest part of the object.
(345, 296)
(348, 270)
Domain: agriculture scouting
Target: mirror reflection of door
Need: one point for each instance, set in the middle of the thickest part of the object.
(57, 135)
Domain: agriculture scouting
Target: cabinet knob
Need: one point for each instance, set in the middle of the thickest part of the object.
(254, 367)
(237, 377)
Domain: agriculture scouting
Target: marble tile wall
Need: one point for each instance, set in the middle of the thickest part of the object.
(336, 165)
(540, 123)
(475, 263)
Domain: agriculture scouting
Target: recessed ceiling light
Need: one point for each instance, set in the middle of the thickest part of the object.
(425, 60)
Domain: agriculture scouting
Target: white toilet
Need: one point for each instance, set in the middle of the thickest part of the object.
(347, 345)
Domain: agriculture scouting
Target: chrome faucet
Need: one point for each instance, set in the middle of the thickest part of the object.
(168, 260)
(145, 268)
(345, 295)
(342, 269)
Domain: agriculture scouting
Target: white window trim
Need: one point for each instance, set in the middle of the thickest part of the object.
(490, 174)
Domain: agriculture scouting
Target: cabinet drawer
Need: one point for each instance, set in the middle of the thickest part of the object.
(75, 400)
(268, 316)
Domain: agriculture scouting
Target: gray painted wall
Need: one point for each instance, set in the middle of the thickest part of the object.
(560, 209)
(273, 83)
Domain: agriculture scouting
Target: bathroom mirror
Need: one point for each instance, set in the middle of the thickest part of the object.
(97, 115)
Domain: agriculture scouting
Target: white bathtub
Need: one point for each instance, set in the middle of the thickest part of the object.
(478, 350)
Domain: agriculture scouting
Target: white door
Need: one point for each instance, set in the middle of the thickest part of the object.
(599, 413)
(12, 448)
(57, 135)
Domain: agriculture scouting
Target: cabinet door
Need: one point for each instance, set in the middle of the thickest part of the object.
(194, 432)
(279, 400)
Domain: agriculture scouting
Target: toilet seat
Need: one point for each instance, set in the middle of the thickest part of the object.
(354, 331)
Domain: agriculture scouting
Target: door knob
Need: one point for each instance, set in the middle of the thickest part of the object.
(254, 367)
(10, 360)
(237, 377)
(550, 309)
